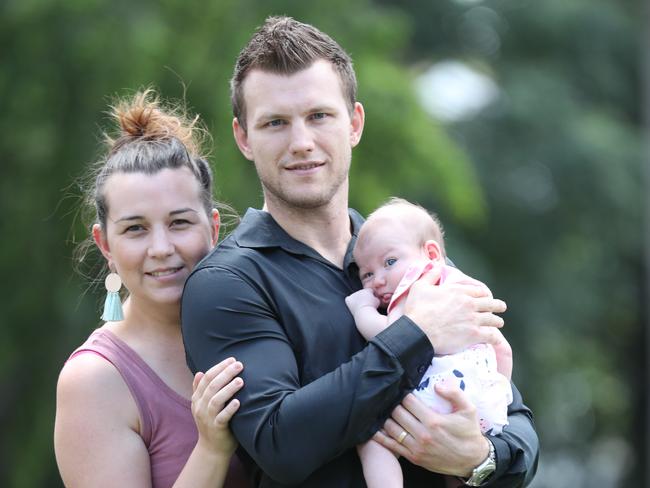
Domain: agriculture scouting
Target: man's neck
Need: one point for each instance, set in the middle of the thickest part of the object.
(325, 229)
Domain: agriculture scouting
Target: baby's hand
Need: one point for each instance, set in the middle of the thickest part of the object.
(503, 352)
(360, 299)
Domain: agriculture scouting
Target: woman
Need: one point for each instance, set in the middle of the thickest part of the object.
(124, 416)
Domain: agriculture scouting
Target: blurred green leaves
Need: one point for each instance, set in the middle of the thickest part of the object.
(540, 193)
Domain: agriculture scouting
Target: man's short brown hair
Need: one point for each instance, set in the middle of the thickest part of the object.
(285, 46)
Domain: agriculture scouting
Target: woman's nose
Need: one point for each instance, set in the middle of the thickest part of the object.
(161, 245)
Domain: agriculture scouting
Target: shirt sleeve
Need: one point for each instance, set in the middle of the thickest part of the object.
(290, 429)
(517, 447)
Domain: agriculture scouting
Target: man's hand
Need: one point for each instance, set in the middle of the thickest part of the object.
(453, 316)
(449, 444)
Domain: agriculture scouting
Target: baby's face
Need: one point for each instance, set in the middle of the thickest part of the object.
(383, 255)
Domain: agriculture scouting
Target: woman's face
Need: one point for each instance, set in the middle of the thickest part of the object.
(156, 231)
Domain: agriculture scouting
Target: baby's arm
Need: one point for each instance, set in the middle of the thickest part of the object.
(381, 469)
(363, 306)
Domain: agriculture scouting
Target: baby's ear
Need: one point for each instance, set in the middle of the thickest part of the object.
(432, 250)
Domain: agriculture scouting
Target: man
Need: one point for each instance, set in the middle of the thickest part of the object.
(272, 295)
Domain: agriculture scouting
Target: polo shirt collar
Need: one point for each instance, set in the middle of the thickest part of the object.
(258, 229)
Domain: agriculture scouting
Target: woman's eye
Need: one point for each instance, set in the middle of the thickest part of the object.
(180, 222)
(134, 228)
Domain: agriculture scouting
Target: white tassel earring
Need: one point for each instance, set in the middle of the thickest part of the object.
(113, 304)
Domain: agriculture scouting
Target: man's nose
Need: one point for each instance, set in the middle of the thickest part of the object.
(302, 139)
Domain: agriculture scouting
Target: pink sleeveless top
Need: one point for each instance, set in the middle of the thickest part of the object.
(167, 426)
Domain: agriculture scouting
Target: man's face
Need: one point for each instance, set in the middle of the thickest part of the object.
(300, 135)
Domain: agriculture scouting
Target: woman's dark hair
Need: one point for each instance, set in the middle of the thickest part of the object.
(148, 138)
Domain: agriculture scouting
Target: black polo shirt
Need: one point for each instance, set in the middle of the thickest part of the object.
(313, 387)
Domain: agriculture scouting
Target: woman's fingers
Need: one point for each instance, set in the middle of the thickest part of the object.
(197, 379)
(227, 412)
(216, 378)
(217, 401)
(210, 374)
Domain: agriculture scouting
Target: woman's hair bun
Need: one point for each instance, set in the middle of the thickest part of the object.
(143, 116)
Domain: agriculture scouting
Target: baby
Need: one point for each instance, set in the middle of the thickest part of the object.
(399, 243)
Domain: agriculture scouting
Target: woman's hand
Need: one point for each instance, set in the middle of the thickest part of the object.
(212, 406)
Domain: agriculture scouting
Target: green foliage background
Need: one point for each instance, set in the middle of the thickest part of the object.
(540, 192)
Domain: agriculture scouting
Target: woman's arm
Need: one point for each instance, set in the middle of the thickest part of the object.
(212, 409)
(96, 437)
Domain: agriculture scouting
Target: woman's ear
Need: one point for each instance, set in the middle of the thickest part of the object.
(432, 250)
(101, 242)
(214, 226)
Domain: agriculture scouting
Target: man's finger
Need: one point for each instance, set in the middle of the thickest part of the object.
(418, 409)
(475, 291)
(391, 444)
(489, 320)
(454, 395)
(404, 420)
(489, 304)
(431, 277)
(490, 335)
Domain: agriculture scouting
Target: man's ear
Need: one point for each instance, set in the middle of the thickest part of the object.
(241, 138)
(214, 226)
(357, 122)
(101, 242)
(432, 250)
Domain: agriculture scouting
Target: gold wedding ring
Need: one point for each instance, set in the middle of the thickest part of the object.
(402, 436)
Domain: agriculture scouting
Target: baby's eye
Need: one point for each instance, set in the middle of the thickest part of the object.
(366, 276)
(390, 261)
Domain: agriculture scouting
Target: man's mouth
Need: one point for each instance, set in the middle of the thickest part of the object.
(303, 166)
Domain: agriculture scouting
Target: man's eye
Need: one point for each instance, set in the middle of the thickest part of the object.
(391, 261)
(319, 115)
(275, 123)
